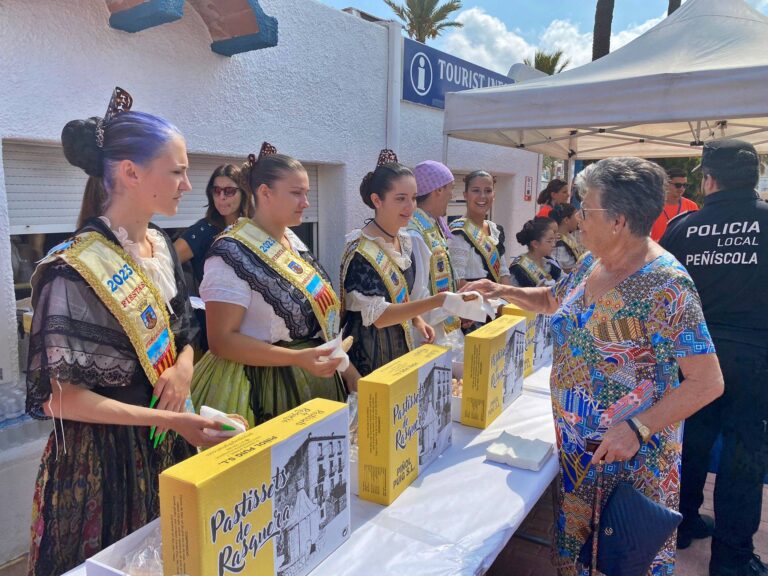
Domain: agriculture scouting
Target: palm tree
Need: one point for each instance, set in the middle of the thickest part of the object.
(601, 38)
(424, 18)
(549, 63)
(673, 5)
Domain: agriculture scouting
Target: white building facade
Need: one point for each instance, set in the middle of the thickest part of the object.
(327, 94)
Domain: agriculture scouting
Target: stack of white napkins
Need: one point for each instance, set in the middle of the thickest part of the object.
(526, 453)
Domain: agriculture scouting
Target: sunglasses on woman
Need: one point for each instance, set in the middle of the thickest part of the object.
(227, 191)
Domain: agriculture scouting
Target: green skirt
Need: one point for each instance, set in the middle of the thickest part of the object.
(259, 393)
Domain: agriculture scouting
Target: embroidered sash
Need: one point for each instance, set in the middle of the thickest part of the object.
(481, 243)
(127, 292)
(572, 245)
(290, 266)
(440, 270)
(533, 271)
(388, 271)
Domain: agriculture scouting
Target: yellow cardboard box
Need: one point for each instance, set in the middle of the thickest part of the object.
(530, 333)
(493, 369)
(539, 337)
(404, 410)
(274, 500)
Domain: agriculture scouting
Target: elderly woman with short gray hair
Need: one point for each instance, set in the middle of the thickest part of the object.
(624, 321)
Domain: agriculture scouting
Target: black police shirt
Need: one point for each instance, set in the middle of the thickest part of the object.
(725, 251)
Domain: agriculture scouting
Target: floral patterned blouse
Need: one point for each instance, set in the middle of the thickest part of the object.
(613, 359)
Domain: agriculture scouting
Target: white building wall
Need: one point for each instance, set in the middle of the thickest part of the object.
(320, 96)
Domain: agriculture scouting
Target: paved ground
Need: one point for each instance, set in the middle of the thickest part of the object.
(524, 558)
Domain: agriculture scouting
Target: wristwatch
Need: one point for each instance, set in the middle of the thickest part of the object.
(642, 431)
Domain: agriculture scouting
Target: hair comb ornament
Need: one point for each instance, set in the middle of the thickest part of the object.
(386, 156)
(120, 102)
(266, 150)
(252, 160)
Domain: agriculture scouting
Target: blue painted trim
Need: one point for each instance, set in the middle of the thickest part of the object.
(266, 38)
(148, 14)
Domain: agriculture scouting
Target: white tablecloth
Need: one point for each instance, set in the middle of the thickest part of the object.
(458, 515)
(538, 381)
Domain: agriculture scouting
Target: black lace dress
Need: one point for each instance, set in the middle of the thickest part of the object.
(259, 393)
(97, 483)
(372, 347)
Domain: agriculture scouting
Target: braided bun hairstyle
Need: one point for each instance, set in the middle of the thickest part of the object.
(135, 136)
(561, 212)
(79, 141)
(534, 229)
(381, 181)
(266, 170)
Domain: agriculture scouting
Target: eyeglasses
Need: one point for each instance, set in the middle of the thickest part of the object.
(680, 185)
(585, 210)
(227, 191)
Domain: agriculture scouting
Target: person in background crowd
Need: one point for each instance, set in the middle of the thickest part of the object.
(723, 247)
(430, 233)
(226, 203)
(575, 194)
(378, 274)
(477, 246)
(555, 193)
(269, 304)
(536, 267)
(675, 203)
(624, 322)
(98, 480)
(568, 249)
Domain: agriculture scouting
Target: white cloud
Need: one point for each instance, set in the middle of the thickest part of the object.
(564, 35)
(485, 40)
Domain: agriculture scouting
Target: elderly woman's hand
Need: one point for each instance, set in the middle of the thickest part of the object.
(619, 443)
(486, 288)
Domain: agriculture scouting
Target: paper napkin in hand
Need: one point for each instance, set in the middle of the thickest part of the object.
(234, 427)
(335, 350)
(475, 309)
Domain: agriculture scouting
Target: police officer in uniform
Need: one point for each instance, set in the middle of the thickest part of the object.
(724, 248)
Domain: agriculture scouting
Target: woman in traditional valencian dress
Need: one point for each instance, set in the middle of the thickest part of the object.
(477, 247)
(110, 338)
(378, 271)
(269, 304)
(535, 267)
(568, 249)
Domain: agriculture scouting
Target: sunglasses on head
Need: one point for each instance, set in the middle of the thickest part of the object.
(227, 191)
(680, 185)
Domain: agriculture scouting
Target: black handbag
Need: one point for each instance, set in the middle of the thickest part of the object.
(631, 530)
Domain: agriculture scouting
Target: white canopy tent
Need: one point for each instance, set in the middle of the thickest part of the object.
(699, 74)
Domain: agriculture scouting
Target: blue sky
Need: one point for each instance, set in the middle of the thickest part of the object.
(498, 33)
